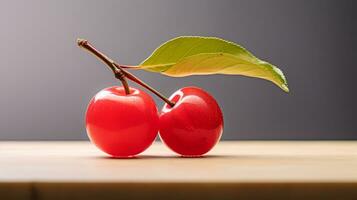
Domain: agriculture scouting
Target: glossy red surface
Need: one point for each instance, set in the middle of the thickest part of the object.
(194, 125)
(122, 125)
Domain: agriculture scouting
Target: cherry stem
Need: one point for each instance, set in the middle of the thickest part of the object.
(119, 71)
(129, 67)
(109, 62)
(140, 82)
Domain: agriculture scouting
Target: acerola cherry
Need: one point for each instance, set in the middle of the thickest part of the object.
(193, 125)
(122, 125)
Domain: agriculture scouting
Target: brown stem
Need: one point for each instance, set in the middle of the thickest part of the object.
(109, 62)
(119, 72)
(127, 66)
(140, 82)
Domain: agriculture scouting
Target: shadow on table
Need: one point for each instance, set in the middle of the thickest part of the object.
(171, 157)
(237, 157)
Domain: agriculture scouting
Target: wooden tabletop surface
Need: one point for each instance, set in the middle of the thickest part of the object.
(232, 170)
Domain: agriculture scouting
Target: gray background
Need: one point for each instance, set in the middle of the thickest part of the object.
(46, 80)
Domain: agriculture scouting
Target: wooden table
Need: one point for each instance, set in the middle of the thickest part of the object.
(233, 170)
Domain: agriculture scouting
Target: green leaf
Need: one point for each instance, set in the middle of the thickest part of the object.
(194, 55)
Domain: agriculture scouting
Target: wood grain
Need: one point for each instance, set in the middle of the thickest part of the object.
(233, 170)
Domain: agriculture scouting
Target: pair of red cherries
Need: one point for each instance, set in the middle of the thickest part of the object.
(124, 121)
(124, 125)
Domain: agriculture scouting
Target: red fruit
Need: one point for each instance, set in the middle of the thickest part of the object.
(122, 125)
(194, 125)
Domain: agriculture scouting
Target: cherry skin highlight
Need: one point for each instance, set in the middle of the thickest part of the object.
(193, 125)
(122, 125)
